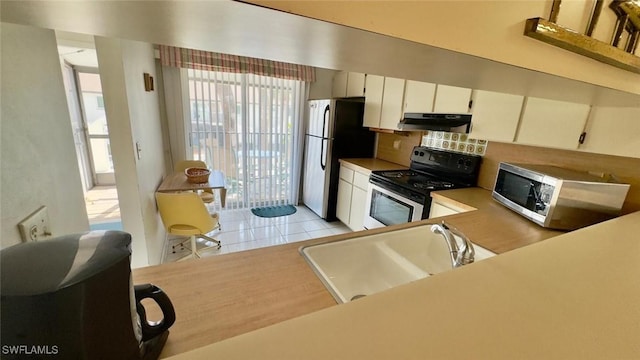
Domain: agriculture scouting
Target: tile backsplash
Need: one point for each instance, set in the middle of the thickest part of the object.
(454, 142)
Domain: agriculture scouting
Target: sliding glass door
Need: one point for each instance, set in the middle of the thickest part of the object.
(248, 126)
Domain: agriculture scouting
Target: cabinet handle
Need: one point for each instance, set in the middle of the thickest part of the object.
(582, 137)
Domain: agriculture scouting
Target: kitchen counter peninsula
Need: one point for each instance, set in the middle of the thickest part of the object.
(573, 297)
(220, 297)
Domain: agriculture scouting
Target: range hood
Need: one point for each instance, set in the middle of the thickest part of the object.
(458, 123)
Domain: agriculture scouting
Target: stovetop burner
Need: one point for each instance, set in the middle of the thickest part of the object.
(398, 174)
(414, 180)
(431, 170)
(433, 185)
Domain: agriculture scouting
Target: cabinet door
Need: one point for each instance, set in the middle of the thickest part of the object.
(343, 205)
(495, 115)
(355, 84)
(438, 210)
(451, 99)
(358, 209)
(339, 88)
(373, 100)
(418, 97)
(392, 103)
(552, 123)
(613, 131)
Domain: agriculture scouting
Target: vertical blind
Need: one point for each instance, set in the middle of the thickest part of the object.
(247, 125)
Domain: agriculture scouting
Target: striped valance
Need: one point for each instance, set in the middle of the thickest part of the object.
(206, 60)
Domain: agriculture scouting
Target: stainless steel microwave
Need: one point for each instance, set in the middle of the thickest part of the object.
(558, 198)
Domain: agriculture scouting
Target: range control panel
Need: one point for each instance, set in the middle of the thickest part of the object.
(432, 160)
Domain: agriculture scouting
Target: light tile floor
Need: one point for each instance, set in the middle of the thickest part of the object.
(241, 230)
(102, 204)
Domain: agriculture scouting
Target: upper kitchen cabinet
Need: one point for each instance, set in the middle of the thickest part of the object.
(418, 97)
(551, 123)
(374, 87)
(348, 84)
(392, 103)
(451, 99)
(495, 115)
(383, 104)
(613, 131)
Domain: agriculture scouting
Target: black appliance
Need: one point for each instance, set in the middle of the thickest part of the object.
(72, 297)
(404, 195)
(458, 123)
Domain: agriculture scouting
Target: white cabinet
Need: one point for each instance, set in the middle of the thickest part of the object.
(495, 115)
(383, 102)
(613, 131)
(418, 97)
(348, 84)
(355, 84)
(374, 87)
(444, 208)
(343, 204)
(392, 103)
(339, 88)
(451, 99)
(552, 123)
(352, 197)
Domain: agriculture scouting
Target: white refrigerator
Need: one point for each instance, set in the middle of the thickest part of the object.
(333, 131)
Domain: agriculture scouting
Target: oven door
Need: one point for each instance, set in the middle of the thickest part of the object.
(385, 207)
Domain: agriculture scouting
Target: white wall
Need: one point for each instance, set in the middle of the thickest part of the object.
(133, 117)
(39, 165)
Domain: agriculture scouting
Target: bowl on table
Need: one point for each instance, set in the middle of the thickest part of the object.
(197, 175)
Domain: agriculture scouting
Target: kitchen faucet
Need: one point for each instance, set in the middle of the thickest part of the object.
(459, 255)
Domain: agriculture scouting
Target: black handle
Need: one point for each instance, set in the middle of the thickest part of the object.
(149, 331)
(323, 139)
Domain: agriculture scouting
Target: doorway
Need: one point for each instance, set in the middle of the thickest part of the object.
(91, 136)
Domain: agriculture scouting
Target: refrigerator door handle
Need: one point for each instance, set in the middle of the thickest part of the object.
(323, 163)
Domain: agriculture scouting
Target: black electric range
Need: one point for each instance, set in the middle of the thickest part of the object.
(430, 170)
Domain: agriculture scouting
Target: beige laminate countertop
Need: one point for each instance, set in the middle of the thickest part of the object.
(492, 226)
(366, 165)
(572, 297)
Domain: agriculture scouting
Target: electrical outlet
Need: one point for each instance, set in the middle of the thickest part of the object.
(35, 227)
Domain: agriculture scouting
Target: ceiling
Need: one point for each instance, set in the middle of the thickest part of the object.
(248, 30)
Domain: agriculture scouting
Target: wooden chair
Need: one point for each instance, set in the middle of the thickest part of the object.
(185, 214)
(180, 166)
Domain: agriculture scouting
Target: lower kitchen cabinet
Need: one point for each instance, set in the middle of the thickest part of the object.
(352, 198)
(439, 208)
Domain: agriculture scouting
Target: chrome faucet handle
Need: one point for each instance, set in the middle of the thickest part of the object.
(460, 255)
(466, 253)
(442, 229)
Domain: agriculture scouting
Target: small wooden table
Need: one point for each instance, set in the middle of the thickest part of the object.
(178, 182)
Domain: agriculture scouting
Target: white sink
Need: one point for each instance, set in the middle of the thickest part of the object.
(369, 264)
